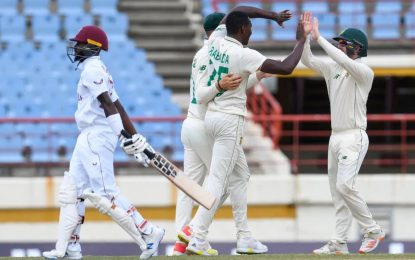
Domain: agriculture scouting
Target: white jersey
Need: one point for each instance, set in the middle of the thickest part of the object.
(95, 80)
(200, 93)
(199, 74)
(229, 56)
(348, 84)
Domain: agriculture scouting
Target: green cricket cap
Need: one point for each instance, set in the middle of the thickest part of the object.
(212, 21)
(355, 36)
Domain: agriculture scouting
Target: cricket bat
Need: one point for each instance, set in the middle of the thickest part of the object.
(178, 178)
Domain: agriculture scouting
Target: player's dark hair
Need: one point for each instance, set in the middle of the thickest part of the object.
(235, 20)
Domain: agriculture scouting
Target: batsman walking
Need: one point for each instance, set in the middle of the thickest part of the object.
(100, 118)
(348, 81)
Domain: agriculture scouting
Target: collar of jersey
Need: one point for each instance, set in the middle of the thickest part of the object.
(233, 40)
(88, 60)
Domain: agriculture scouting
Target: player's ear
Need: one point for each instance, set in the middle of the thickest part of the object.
(242, 29)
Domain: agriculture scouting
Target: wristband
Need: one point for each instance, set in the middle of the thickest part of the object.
(115, 123)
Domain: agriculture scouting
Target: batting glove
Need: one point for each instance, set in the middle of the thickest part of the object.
(142, 158)
(136, 144)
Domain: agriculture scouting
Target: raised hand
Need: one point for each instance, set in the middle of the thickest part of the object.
(315, 32)
(307, 22)
(300, 33)
(282, 17)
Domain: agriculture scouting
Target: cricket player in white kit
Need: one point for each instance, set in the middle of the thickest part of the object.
(100, 118)
(198, 146)
(348, 81)
(225, 116)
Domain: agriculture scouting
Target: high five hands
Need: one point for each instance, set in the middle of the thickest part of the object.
(315, 34)
(309, 24)
(304, 26)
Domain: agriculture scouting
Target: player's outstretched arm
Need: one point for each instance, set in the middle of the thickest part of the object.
(256, 77)
(308, 59)
(254, 12)
(287, 66)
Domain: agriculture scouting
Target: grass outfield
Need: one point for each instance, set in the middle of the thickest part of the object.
(259, 257)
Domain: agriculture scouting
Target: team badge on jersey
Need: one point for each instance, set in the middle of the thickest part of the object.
(99, 83)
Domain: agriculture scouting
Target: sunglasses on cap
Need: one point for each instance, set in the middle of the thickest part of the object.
(344, 43)
(348, 44)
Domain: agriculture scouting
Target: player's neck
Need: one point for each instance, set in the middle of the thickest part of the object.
(236, 37)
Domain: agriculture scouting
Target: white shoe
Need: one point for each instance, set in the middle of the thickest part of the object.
(249, 245)
(371, 241)
(53, 254)
(332, 248)
(153, 241)
(200, 247)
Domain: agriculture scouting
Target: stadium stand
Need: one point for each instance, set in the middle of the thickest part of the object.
(316, 7)
(351, 7)
(388, 6)
(38, 28)
(8, 7)
(104, 7)
(327, 23)
(46, 28)
(386, 20)
(116, 27)
(36, 7)
(289, 33)
(410, 23)
(383, 18)
(285, 35)
(386, 26)
(72, 23)
(71, 8)
(352, 14)
(12, 28)
(40, 64)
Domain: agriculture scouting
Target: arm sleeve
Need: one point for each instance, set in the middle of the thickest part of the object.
(252, 81)
(251, 60)
(96, 81)
(205, 93)
(359, 71)
(308, 59)
(113, 94)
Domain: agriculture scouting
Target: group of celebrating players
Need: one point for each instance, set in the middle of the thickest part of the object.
(212, 134)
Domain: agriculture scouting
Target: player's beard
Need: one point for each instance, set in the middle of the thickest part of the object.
(350, 52)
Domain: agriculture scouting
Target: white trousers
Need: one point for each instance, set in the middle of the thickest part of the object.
(92, 167)
(228, 170)
(197, 157)
(347, 150)
(92, 162)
